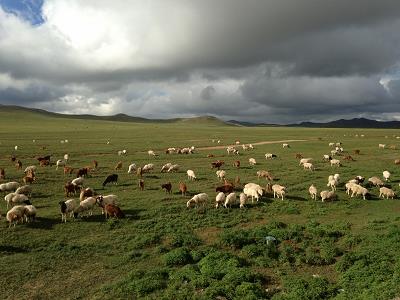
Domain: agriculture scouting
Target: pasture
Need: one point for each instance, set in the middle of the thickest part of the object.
(346, 249)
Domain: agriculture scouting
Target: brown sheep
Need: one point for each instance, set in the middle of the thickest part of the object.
(299, 156)
(348, 157)
(236, 163)
(18, 165)
(139, 172)
(70, 189)
(396, 162)
(113, 211)
(217, 164)
(356, 152)
(210, 155)
(167, 187)
(118, 166)
(44, 162)
(68, 170)
(82, 172)
(141, 184)
(28, 179)
(182, 188)
(2, 174)
(228, 188)
(95, 164)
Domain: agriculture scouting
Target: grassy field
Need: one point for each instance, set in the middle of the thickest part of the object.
(347, 249)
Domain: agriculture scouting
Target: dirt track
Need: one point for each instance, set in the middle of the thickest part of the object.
(258, 143)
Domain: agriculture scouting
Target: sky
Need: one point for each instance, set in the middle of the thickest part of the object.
(272, 61)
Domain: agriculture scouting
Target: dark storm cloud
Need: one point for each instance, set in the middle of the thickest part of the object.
(275, 60)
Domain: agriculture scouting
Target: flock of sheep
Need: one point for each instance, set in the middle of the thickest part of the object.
(22, 210)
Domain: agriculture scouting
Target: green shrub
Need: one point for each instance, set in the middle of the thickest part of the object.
(235, 238)
(217, 264)
(179, 256)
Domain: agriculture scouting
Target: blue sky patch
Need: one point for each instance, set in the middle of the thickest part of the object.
(29, 10)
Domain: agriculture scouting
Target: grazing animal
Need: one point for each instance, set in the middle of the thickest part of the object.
(15, 214)
(68, 170)
(82, 172)
(308, 166)
(2, 174)
(167, 186)
(18, 165)
(118, 166)
(44, 162)
(386, 175)
(182, 188)
(279, 191)
(384, 191)
(219, 199)
(285, 145)
(198, 199)
(113, 178)
(305, 160)
(29, 178)
(252, 161)
(191, 175)
(210, 155)
(165, 167)
(113, 211)
(86, 205)
(396, 162)
(242, 200)
(313, 192)
(236, 163)
(173, 168)
(60, 163)
(85, 193)
(375, 181)
(356, 152)
(78, 181)
(327, 196)
(141, 184)
(147, 168)
(30, 213)
(230, 200)
(349, 158)
(227, 188)
(70, 189)
(221, 174)
(299, 156)
(217, 164)
(67, 207)
(95, 164)
(131, 168)
(102, 201)
(151, 153)
(265, 174)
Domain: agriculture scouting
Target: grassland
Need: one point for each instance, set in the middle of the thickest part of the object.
(347, 249)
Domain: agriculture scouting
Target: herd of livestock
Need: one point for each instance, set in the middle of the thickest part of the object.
(20, 209)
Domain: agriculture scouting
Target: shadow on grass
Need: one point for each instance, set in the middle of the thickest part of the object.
(4, 249)
(43, 223)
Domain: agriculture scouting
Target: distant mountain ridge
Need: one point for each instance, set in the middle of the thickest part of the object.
(341, 123)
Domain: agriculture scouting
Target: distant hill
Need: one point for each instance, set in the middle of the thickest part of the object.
(352, 123)
(210, 120)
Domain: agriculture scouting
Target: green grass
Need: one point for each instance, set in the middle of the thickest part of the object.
(163, 250)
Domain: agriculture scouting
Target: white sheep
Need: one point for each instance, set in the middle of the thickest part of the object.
(78, 181)
(191, 175)
(308, 166)
(221, 174)
(335, 162)
(230, 200)
(332, 183)
(252, 161)
(375, 181)
(386, 175)
(9, 186)
(151, 153)
(198, 199)
(285, 145)
(326, 157)
(327, 195)
(17, 199)
(230, 150)
(242, 200)
(313, 192)
(270, 156)
(147, 168)
(131, 168)
(331, 144)
(30, 213)
(382, 146)
(384, 191)
(25, 189)
(337, 177)
(359, 190)
(60, 163)
(279, 191)
(30, 169)
(86, 205)
(349, 186)
(16, 214)
(165, 167)
(219, 199)
(173, 168)
(305, 160)
(66, 157)
(68, 207)
(253, 190)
